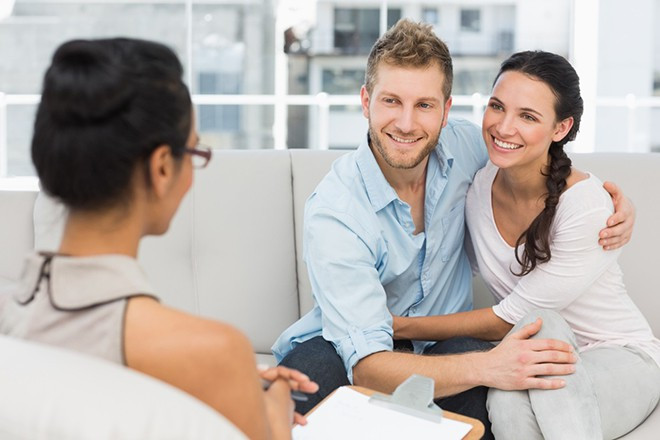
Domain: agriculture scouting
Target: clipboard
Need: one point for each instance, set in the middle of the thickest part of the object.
(361, 413)
(413, 396)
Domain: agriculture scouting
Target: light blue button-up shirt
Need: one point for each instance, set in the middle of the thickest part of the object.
(363, 259)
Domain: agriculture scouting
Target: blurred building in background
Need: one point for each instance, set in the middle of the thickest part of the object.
(287, 73)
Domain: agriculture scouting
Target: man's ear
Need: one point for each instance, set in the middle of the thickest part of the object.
(562, 128)
(364, 99)
(446, 115)
(161, 169)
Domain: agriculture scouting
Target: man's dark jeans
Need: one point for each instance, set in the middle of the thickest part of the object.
(318, 359)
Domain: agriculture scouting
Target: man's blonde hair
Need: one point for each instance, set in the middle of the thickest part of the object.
(410, 44)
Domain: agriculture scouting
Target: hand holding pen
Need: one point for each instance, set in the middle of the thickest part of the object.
(298, 382)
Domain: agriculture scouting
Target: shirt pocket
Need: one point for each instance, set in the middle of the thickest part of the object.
(453, 229)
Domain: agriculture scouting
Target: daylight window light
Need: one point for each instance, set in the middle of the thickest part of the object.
(6, 6)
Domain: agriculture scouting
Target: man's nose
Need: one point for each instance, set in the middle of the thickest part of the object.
(405, 122)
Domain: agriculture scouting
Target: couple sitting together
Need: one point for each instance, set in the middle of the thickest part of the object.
(385, 242)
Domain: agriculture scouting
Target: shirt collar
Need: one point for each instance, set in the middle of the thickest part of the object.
(379, 190)
(444, 156)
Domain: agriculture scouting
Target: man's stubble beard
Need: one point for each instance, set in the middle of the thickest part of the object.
(375, 142)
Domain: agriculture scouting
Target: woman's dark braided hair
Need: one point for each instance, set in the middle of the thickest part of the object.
(560, 76)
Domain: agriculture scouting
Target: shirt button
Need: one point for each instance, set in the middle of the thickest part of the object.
(413, 310)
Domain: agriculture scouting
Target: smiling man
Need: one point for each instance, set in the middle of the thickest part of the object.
(383, 235)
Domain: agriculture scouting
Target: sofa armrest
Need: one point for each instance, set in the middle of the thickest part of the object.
(52, 393)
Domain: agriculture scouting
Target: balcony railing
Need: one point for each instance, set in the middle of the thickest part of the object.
(323, 103)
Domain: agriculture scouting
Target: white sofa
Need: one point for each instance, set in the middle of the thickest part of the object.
(233, 251)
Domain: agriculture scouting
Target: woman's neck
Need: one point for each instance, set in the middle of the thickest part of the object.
(524, 185)
(95, 233)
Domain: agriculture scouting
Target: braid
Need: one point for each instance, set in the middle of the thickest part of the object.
(536, 246)
(561, 78)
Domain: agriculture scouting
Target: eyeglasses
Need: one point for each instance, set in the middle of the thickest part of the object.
(201, 155)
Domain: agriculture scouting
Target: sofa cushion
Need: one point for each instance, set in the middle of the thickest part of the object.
(52, 393)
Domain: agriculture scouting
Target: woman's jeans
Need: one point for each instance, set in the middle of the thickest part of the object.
(613, 390)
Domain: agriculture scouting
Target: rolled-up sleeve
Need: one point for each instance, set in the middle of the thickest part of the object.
(342, 261)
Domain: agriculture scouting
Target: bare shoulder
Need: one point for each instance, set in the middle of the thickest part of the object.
(575, 177)
(147, 313)
(154, 332)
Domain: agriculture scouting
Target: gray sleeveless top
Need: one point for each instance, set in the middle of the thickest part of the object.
(76, 303)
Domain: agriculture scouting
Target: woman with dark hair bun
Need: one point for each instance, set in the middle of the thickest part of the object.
(114, 141)
(532, 220)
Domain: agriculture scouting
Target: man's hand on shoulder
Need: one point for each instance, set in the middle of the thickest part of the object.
(620, 224)
(517, 362)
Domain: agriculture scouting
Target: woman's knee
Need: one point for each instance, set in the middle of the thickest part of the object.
(545, 314)
(501, 401)
(553, 325)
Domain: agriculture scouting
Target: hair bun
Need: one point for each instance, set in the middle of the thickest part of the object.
(86, 83)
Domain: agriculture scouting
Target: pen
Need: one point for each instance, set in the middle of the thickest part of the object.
(298, 396)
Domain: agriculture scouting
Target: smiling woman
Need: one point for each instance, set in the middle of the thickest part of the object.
(536, 247)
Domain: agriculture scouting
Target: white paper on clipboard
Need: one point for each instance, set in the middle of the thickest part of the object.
(347, 414)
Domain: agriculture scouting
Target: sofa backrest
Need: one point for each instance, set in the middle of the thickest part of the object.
(233, 251)
(230, 254)
(638, 174)
(16, 228)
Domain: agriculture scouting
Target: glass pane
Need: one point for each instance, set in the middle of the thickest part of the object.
(471, 20)
(231, 58)
(30, 36)
(430, 16)
(236, 126)
(35, 28)
(343, 82)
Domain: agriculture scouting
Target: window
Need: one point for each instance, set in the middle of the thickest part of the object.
(431, 16)
(342, 81)
(227, 48)
(471, 20)
(219, 118)
(356, 30)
